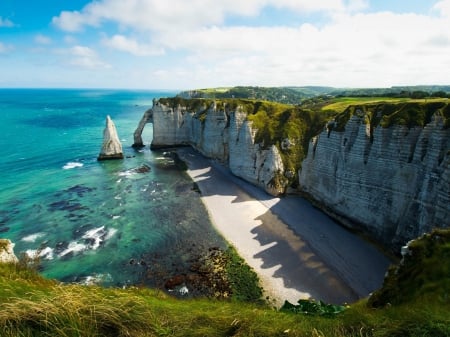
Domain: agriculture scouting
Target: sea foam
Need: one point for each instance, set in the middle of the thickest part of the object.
(74, 247)
(71, 165)
(46, 253)
(32, 237)
(96, 234)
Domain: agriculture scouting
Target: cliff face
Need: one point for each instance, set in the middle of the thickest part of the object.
(7, 252)
(383, 168)
(220, 133)
(391, 182)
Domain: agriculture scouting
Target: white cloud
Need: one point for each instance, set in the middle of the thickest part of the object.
(6, 22)
(4, 48)
(74, 21)
(379, 49)
(357, 5)
(443, 7)
(85, 57)
(42, 39)
(163, 15)
(348, 48)
(132, 46)
(70, 40)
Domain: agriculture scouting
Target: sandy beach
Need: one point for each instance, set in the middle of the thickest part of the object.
(297, 251)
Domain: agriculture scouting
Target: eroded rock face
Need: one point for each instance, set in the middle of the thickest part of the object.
(7, 252)
(146, 118)
(393, 184)
(111, 147)
(219, 134)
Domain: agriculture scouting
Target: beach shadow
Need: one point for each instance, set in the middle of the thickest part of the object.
(308, 250)
(299, 266)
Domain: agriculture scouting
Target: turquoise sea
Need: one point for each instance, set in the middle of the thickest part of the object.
(113, 222)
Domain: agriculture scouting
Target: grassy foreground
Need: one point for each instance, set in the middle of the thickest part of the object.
(33, 306)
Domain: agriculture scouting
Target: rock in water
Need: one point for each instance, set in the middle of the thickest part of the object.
(111, 148)
(7, 252)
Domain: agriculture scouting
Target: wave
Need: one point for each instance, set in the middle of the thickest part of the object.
(73, 247)
(46, 253)
(33, 237)
(96, 279)
(71, 165)
(96, 236)
(93, 239)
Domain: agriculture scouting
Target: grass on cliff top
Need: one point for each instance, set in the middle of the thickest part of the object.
(33, 306)
(340, 104)
(393, 111)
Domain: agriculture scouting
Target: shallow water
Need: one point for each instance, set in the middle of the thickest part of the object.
(132, 221)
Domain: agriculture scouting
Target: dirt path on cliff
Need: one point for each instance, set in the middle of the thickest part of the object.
(296, 250)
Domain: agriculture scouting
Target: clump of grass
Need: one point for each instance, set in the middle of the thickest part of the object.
(243, 280)
(423, 272)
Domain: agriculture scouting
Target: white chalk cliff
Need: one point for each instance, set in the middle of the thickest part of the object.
(392, 183)
(111, 147)
(7, 252)
(219, 133)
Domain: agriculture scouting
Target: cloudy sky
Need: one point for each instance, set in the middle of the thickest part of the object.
(180, 44)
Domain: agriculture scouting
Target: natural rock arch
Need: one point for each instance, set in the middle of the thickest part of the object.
(146, 118)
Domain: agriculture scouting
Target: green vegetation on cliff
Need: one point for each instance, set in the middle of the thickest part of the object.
(298, 95)
(424, 272)
(415, 301)
(388, 112)
(289, 127)
(286, 95)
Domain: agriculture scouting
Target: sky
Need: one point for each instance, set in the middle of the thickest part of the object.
(180, 45)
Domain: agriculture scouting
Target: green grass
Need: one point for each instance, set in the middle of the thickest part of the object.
(340, 104)
(33, 306)
(386, 112)
(42, 308)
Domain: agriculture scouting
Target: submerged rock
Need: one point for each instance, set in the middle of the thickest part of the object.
(112, 147)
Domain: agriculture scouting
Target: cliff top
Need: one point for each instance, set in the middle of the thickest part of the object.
(32, 305)
(388, 112)
(297, 94)
(422, 273)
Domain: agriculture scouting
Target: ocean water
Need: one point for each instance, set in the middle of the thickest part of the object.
(127, 222)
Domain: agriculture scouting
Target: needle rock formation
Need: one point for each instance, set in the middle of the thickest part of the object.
(111, 148)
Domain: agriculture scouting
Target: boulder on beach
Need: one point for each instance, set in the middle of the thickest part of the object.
(111, 148)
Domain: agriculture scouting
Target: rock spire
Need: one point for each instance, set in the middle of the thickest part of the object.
(111, 148)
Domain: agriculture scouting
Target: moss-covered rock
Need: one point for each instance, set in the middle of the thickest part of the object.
(423, 272)
(385, 114)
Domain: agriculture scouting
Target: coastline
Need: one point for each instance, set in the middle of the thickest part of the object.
(297, 251)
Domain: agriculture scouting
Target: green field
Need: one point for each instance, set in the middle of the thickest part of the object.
(340, 104)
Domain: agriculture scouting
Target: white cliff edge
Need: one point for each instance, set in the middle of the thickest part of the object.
(392, 184)
(7, 252)
(218, 133)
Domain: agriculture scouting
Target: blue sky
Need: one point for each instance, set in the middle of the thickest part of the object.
(178, 44)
